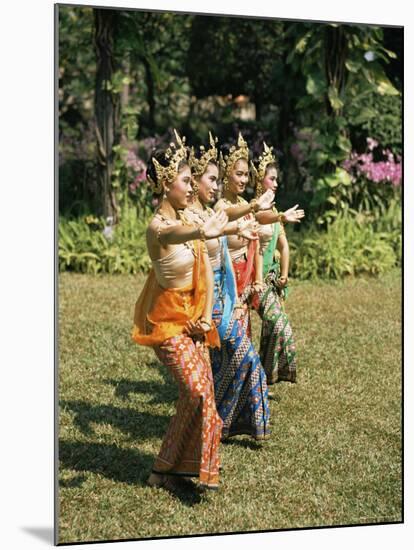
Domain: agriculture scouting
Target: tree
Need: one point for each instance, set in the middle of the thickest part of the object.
(234, 56)
(156, 44)
(107, 109)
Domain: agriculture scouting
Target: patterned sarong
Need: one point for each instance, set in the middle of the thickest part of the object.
(277, 346)
(190, 446)
(239, 379)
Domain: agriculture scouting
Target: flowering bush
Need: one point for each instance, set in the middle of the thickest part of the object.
(129, 178)
(136, 170)
(387, 170)
(359, 182)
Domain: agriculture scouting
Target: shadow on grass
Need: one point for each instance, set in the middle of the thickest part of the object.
(246, 443)
(121, 465)
(125, 465)
(162, 392)
(138, 425)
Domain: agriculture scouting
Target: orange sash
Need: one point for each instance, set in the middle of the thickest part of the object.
(161, 313)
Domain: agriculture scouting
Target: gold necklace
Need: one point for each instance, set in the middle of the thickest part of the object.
(239, 200)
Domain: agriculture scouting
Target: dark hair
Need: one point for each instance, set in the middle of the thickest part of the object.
(159, 155)
(273, 164)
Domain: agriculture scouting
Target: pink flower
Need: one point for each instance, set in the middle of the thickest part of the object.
(382, 171)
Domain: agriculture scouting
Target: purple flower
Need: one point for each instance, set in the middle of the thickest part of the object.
(387, 170)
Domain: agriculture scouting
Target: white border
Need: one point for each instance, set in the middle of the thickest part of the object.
(26, 47)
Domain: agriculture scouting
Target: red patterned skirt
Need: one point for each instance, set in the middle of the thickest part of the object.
(190, 446)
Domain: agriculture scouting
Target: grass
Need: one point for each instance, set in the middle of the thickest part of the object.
(334, 457)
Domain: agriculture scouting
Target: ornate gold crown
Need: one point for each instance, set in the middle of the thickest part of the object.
(198, 165)
(241, 151)
(259, 173)
(174, 154)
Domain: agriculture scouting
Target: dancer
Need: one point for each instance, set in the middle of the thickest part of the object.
(245, 256)
(277, 346)
(173, 315)
(239, 380)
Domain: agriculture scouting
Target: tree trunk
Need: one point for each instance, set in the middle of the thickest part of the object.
(150, 94)
(106, 111)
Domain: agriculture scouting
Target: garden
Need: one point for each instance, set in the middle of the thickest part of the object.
(328, 98)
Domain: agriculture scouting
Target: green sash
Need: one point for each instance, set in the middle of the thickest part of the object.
(271, 261)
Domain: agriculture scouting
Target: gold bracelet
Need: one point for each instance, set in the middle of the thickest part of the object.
(202, 233)
(254, 207)
(203, 320)
(282, 217)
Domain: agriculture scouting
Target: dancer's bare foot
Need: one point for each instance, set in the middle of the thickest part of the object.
(161, 480)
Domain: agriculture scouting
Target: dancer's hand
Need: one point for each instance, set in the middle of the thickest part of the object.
(282, 282)
(214, 226)
(199, 328)
(249, 229)
(293, 215)
(258, 286)
(266, 200)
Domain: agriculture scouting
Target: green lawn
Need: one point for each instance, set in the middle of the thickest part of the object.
(334, 457)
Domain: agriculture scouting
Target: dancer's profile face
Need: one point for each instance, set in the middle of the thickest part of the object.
(238, 177)
(179, 191)
(207, 184)
(270, 180)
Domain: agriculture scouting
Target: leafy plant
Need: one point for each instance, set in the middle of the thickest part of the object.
(351, 246)
(337, 65)
(84, 248)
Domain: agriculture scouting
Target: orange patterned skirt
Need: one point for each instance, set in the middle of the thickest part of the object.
(190, 446)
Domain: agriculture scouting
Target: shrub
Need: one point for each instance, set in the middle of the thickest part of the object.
(351, 245)
(84, 248)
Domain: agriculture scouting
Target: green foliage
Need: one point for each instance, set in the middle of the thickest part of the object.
(84, 248)
(178, 70)
(380, 117)
(345, 85)
(389, 221)
(351, 246)
(155, 47)
(336, 195)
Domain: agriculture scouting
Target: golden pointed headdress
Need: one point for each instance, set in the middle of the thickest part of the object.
(241, 151)
(259, 173)
(198, 165)
(174, 154)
